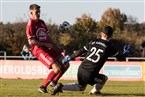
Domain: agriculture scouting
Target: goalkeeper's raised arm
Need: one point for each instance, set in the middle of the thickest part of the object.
(74, 55)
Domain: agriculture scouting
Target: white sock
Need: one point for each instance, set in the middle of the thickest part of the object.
(97, 87)
(93, 90)
(71, 87)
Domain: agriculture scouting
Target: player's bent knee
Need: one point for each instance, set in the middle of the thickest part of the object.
(106, 78)
(56, 71)
(55, 68)
(101, 80)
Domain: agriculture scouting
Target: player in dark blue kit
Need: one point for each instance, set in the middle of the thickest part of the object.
(97, 52)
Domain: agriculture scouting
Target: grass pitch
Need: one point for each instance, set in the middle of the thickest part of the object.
(28, 88)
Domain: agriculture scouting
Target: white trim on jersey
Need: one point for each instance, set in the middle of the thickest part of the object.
(45, 59)
(31, 37)
(85, 48)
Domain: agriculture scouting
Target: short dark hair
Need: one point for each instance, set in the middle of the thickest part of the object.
(34, 6)
(108, 30)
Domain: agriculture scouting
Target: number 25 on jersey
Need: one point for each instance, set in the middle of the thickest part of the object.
(94, 52)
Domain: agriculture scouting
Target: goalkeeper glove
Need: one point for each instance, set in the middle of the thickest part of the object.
(66, 59)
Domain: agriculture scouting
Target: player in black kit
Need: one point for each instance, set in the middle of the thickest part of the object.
(97, 52)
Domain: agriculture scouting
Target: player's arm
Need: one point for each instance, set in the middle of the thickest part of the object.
(78, 53)
(33, 41)
(74, 55)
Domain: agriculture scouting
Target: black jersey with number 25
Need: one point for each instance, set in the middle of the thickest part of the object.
(97, 53)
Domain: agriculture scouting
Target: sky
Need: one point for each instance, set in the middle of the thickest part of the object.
(56, 11)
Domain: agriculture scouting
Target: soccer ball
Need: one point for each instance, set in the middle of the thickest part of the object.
(64, 26)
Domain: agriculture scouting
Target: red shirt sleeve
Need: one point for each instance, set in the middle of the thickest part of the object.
(29, 31)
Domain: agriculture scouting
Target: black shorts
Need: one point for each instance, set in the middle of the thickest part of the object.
(85, 77)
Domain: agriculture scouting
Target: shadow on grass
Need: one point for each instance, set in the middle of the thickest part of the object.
(84, 94)
(133, 94)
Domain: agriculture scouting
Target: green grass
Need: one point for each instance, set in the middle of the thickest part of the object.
(28, 88)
